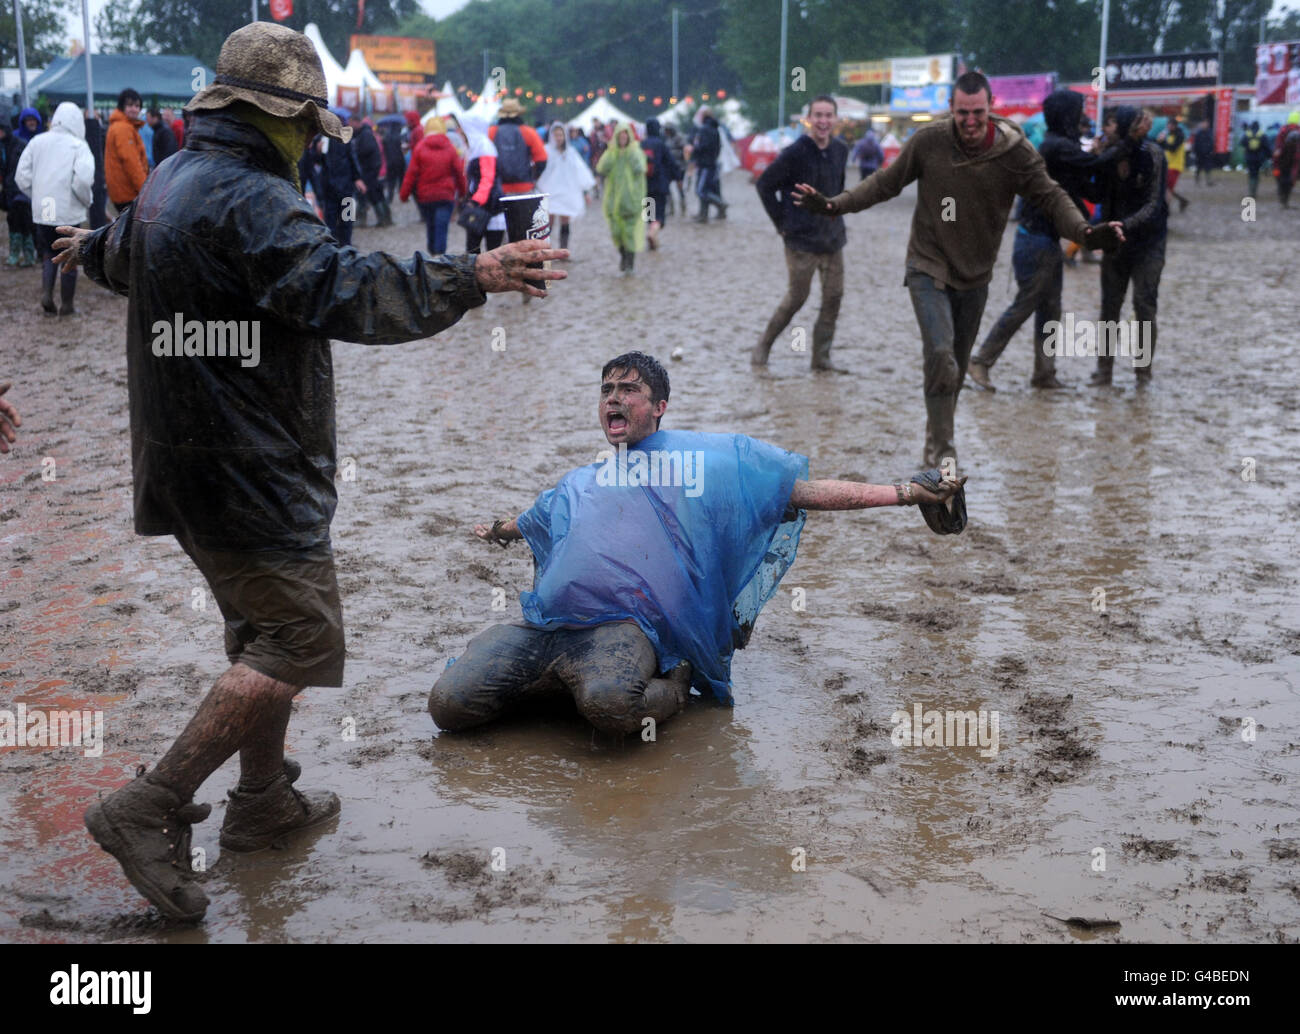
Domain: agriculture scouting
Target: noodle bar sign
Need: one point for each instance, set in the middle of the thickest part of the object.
(1148, 70)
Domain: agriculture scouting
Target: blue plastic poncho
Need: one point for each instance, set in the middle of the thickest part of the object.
(684, 533)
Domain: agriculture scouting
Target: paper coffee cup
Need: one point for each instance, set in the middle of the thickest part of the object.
(528, 219)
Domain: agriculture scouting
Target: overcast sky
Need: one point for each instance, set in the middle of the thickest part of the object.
(434, 8)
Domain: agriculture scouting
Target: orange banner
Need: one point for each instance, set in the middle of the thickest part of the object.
(401, 58)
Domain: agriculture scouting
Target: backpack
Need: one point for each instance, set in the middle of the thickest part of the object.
(514, 161)
(649, 159)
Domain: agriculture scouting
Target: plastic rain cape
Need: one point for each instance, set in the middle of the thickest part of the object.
(685, 533)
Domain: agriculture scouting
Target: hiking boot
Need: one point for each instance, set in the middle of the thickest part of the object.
(979, 375)
(146, 827)
(255, 819)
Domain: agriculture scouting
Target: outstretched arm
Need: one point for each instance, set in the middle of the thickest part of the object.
(857, 495)
(501, 532)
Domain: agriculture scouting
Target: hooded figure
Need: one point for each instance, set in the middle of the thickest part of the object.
(17, 205)
(484, 181)
(58, 169)
(24, 132)
(623, 168)
(567, 177)
(1286, 158)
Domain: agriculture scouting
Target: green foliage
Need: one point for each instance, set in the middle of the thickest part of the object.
(43, 32)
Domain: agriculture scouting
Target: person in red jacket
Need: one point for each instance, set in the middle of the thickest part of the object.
(521, 155)
(416, 133)
(437, 176)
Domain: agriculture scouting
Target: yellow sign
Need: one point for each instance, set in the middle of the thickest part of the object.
(398, 58)
(864, 73)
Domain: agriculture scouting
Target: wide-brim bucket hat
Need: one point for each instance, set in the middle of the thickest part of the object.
(276, 69)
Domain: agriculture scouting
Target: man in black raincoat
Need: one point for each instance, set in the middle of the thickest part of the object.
(1036, 258)
(235, 289)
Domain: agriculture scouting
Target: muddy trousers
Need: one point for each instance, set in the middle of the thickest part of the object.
(950, 321)
(1039, 268)
(801, 265)
(610, 670)
(1143, 269)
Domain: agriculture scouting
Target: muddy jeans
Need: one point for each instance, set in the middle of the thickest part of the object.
(609, 669)
(950, 321)
(1039, 269)
(1143, 268)
(801, 265)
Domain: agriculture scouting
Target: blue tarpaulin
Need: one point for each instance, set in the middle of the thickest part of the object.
(166, 77)
(685, 533)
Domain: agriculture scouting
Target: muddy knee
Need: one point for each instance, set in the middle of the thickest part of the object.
(448, 709)
(615, 707)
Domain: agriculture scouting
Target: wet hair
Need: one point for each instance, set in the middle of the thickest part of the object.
(128, 96)
(652, 373)
(825, 98)
(972, 82)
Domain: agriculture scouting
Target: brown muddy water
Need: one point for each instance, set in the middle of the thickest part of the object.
(1125, 784)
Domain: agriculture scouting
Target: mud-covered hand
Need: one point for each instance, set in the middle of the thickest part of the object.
(68, 244)
(1107, 237)
(947, 489)
(506, 267)
(501, 532)
(9, 420)
(808, 198)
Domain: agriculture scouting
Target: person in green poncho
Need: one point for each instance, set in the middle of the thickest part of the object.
(623, 167)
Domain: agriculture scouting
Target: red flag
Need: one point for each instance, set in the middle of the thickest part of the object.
(281, 9)
(361, 11)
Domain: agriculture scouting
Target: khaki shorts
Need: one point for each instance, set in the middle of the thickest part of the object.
(282, 611)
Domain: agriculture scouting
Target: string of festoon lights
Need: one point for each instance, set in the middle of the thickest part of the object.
(582, 98)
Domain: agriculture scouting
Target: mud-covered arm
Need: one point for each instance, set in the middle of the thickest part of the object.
(105, 254)
(500, 532)
(882, 184)
(299, 275)
(857, 495)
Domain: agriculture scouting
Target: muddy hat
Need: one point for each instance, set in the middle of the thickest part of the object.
(941, 520)
(511, 107)
(276, 69)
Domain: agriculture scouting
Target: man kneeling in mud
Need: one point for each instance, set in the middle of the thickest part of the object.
(651, 565)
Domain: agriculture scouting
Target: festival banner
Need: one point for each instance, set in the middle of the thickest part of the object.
(928, 99)
(1021, 93)
(1277, 73)
(1223, 120)
(920, 71)
(398, 59)
(864, 73)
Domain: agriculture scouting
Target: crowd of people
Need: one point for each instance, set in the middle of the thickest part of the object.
(626, 633)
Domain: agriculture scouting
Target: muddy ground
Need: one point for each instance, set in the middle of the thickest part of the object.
(1122, 735)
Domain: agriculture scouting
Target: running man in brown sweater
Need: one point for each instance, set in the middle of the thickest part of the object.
(970, 167)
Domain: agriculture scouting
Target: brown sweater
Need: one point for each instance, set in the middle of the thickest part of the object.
(957, 243)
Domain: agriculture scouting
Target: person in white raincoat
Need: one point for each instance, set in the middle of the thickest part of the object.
(481, 170)
(566, 180)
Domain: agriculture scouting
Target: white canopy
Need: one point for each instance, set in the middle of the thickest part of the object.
(727, 113)
(334, 73)
(357, 72)
(487, 105)
(603, 109)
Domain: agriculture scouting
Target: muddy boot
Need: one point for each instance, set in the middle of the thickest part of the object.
(49, 272)
(1101, 377)
(1049, 383)
(15, 250)
(979, 375)
(939, 429)
(146, 827)
(29, 251)
(67, 291)
(703, 217)
(256, 818)
(722, 209)
(564, 235)
(631, 263)
(821, 355)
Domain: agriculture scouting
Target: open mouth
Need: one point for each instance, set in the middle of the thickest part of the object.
(616, 422)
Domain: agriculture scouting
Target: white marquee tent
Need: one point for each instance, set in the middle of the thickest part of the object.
(604, 110)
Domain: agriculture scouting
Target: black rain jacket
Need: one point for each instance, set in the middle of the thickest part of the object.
(240, 457)
(804, 162)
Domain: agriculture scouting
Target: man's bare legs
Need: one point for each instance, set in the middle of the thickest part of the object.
(244, 711)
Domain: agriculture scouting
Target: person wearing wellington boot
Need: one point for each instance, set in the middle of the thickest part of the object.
(233, 447)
